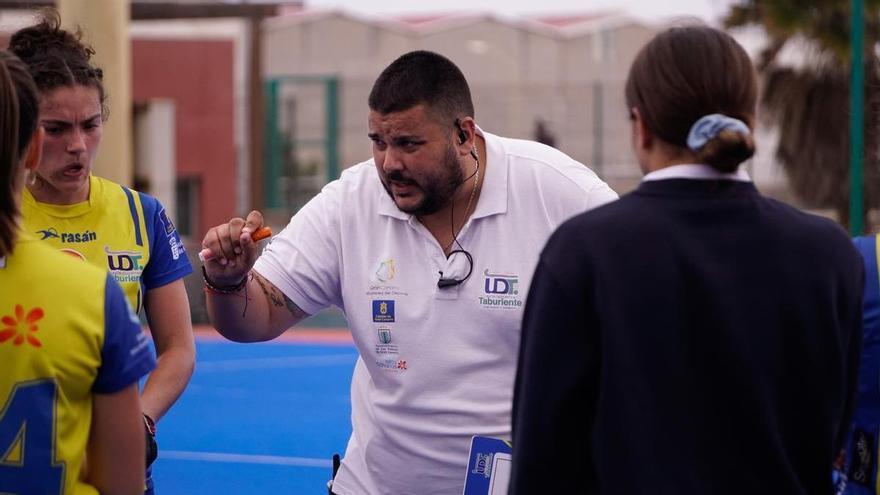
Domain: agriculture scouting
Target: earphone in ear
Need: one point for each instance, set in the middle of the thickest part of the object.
(462, 136)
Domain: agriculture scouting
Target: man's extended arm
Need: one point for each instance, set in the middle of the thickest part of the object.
(242, 305)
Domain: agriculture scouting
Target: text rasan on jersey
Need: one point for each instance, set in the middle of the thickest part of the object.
(67, 237)
(501, 290)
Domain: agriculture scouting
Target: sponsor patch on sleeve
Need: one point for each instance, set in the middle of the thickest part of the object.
(169, 225)
(861, 460)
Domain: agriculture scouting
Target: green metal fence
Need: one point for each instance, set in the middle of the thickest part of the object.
(285, 171)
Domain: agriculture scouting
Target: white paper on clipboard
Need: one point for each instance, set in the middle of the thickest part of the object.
(501, 464)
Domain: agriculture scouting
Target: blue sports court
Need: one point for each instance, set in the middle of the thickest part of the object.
(257, 419)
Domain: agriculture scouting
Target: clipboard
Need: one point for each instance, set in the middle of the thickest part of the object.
(488, 469)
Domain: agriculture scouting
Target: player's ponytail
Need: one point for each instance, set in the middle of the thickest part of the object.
(19, 109)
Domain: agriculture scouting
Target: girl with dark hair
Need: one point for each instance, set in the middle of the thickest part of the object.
(694, 336)
(72, 351)
(111, 226)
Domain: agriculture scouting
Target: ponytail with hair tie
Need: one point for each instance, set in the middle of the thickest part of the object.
(721, 141)
(709, 126)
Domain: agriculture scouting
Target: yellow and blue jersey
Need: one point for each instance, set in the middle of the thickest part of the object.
(862, 448)
(123, 231)
(66, 333)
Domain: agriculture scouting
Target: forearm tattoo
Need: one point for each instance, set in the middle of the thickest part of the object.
(278, 298)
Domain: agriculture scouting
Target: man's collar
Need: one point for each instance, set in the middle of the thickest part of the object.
(386, 204)
(493, 193)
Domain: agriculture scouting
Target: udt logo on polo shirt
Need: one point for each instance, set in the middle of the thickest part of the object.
(383, 310)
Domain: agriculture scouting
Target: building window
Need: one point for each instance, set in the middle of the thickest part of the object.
(187, 220)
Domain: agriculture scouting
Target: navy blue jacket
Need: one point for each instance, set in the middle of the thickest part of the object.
(693, 337)
(861, 467)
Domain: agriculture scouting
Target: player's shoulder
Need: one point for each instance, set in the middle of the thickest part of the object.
(543, 163)
(64, 272)
(109, 190)
(867, 245)
(807, 228)
(527, 150)
(114, 193)
(153, 208)
(359, 173)
(355, 183)
(127, 202)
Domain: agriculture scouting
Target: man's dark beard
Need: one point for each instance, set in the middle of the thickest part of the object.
(439, 190)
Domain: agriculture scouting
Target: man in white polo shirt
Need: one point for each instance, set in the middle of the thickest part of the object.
(429, 249)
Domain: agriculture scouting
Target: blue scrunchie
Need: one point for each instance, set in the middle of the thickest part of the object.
(710, 126)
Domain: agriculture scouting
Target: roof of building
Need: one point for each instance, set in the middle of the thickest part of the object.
(557, 26)
(176, 9)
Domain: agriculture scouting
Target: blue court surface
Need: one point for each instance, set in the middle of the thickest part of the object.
(257, 419)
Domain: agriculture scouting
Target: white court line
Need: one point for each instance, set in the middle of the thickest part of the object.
(182, 455)
(276, 363)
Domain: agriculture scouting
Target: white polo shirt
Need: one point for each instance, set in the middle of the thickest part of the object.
(436, 365)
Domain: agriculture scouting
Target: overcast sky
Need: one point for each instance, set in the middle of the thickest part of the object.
(652, 10)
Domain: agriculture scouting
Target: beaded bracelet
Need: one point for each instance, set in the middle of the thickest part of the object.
(232, 290)
(228, 289)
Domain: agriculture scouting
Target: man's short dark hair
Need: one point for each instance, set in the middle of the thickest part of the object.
(422, 77)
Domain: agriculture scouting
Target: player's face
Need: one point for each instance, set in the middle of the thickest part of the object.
(416, 159)
(72, 119)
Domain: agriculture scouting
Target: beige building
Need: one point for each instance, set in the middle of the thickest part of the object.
(566, 72)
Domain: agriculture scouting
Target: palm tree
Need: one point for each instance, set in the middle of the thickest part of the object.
(804, 73)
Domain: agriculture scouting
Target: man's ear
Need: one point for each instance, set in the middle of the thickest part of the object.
(465, 135)
(35, 150)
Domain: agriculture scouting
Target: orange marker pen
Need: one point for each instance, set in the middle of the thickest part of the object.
(257, 236)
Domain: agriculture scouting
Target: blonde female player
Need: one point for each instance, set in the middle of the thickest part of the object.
(72, 350)
(120, 230)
